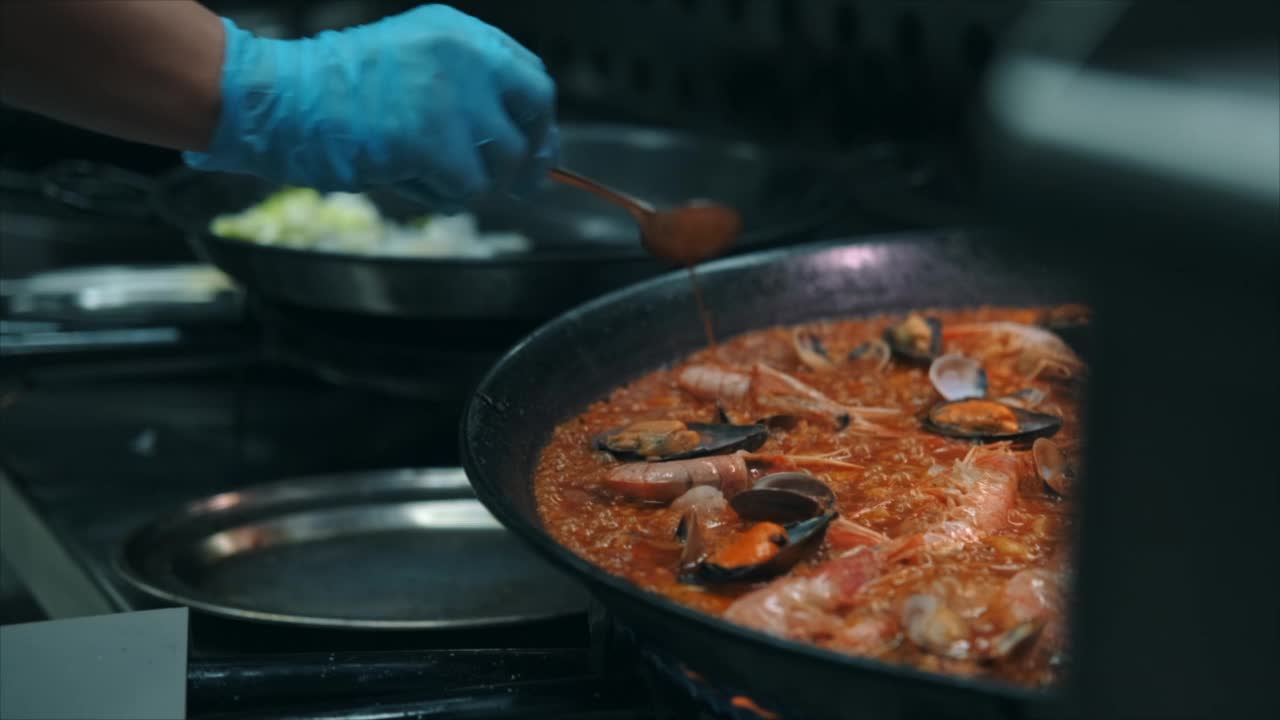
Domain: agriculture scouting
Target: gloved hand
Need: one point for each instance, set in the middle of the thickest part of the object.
(433, 103)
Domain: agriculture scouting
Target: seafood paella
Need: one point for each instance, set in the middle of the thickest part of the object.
(893, 487)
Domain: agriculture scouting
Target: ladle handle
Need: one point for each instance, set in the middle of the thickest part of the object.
(636, 207)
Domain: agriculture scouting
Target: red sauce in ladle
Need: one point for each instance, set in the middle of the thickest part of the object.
(685, 235)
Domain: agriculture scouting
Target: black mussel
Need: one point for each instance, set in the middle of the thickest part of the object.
(784, 498)
(765, 550)
(916, 338)
(799, 482)
(791, 511)
(676, 440)
(989, 420)
(811, 351)
(775, 505)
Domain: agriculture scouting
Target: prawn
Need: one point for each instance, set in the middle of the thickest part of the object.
(1038, 350)
(730, 474)
(666, 481)
(775, 393)
(844, 534)
(809, 607)
(1027, 605)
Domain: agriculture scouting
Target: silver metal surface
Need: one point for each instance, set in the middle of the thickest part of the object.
(104, 306)
(405, 549)
(131, 666)
(99, 289)
(57, 582)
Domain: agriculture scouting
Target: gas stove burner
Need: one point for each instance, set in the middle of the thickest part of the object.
(389, 550)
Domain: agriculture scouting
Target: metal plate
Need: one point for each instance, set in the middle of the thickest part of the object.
(118, 293)
(407, 549)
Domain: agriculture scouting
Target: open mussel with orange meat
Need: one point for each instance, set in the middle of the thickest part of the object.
(967, 413)
(676, 440)
(790, 513)
(989, 420)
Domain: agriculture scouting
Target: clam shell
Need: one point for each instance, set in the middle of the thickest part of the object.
(957, 377)
(1052, 466)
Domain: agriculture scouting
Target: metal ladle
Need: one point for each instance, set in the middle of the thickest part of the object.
(683, 235)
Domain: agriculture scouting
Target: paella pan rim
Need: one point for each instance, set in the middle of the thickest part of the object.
(488, 487)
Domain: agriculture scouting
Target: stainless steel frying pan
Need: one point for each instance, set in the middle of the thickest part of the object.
(581, 245)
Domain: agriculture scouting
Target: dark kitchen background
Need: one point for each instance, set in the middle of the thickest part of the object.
(825, 74)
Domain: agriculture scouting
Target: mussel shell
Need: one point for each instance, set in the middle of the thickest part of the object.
(775, 505)
(935, 343)
(717, 439)
(784, 497)
(1031, 424)
(799, 482)
(802, 537)
(713, 439)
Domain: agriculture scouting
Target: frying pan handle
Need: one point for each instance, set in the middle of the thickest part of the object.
(99, 188)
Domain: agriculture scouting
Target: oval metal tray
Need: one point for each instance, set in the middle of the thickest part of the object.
(395, 550)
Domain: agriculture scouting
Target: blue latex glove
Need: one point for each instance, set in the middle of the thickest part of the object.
(433, 103)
